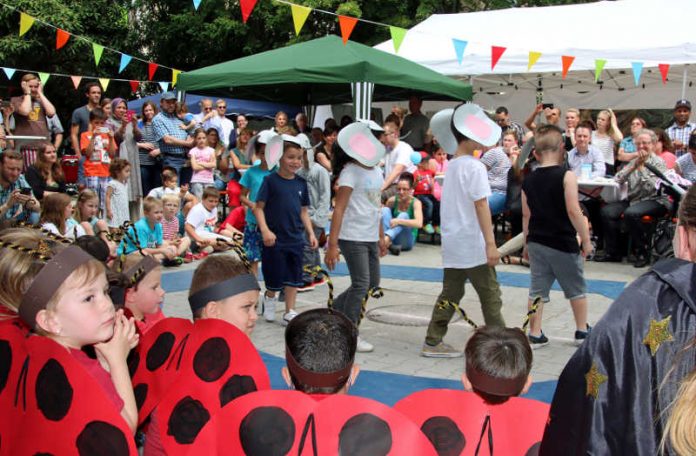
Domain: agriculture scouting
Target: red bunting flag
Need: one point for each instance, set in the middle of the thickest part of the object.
(135, 85)
(496, 54)
(151, 68)
(247, 8)
(347, 24)
(664, 69)
(567, 61)
(61, 38)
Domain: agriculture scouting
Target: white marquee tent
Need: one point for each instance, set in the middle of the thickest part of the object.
(650, 32)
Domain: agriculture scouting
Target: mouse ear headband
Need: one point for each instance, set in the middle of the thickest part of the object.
(303, 140)
(467, 119)
(360, 144)
(262, 138)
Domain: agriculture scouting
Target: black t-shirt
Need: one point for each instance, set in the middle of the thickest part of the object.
(549, 224)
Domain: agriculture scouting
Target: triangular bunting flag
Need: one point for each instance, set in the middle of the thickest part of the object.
(125, 60)
(637, 70)
(43, 77)
(496, 54)
(397, 34)
(9, 72)
(598, 67)
(164, 85)
(61, 38)
(566, 61)
(175, 77)
(25, 23)
(347, 25)
(247, 8)
(459, 47)
(299, 16)
(664, 69)
(151, 68)
(135, 85)
(98, 49)
(533, 57)
(76, 81)
(104, 83)
(196, 4)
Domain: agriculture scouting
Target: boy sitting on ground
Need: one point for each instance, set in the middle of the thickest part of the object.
(201, 220)
(320, 349)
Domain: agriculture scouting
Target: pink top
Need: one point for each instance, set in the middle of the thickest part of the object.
(440, 168)
(204, 176)
(101, 376)
(669, 158)
(170, 228)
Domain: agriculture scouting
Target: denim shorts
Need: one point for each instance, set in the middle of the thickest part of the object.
(548, 264)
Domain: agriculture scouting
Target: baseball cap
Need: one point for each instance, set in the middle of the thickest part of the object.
(683, 103)
(168, 96)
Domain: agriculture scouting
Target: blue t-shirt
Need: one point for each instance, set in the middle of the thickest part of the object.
(148, 238)
(284, 200)
(628, 145)
(252, 179)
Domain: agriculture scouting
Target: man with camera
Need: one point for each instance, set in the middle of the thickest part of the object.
(16, 199)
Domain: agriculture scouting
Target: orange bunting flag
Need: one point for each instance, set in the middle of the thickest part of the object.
(76, 81)
(61, 38)
(567, 61)
(496, 54)
(151, 68)
(664, 69)
(25, 23)
(135, 85)
(247, 8)
(347, 24)
(533, 58)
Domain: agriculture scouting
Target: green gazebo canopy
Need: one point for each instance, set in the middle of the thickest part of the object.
(323, 71)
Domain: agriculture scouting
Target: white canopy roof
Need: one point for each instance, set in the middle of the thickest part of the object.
(621, 32)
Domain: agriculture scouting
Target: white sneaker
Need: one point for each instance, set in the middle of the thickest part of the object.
(364, 346)
(288, 316)
(269, 307)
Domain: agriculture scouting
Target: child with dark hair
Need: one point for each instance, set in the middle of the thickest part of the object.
(117, 193)
(498, 362)
(320, 347)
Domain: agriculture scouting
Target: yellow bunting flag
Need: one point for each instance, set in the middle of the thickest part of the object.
(299, 16)
(599, 66)
(175, 76)
(533, 57)
(98, 50)
(76, 81)
(43, 77)
(398, 34)
(104, 83)
(25, 23)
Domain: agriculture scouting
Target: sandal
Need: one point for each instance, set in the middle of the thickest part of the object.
(505, 259)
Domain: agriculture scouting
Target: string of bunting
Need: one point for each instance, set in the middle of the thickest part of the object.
(104, 82)
(347, 24)
(26, 22)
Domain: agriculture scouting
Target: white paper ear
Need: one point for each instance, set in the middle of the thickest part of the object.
(360, 144)
(440, 126)
(274, 150)
(471, 121)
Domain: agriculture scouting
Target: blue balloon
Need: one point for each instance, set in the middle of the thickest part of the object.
(415, 157)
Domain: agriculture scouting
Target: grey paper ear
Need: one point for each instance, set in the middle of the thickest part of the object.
(360, 144)
(307, 146)
(471, 121)
(440, 126)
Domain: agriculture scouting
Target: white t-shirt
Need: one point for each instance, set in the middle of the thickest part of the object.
(362, 217)
(202, 220)
(400, 155)
(466, 181)
(72, 232)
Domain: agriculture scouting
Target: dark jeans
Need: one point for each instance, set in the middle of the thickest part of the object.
(593, 209)
(611, 217)
(362, 259)
(150, 176)
(431, 209)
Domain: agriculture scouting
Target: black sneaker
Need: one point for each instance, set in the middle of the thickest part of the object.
(395, 249)
(580, 336)
(537, 341)
(307, 286)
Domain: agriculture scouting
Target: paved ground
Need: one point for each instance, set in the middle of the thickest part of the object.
(396, 323)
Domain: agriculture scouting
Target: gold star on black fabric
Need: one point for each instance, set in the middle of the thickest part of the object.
(593, 379)
(657, 334)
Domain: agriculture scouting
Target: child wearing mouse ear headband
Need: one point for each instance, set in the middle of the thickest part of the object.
(355, 225)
